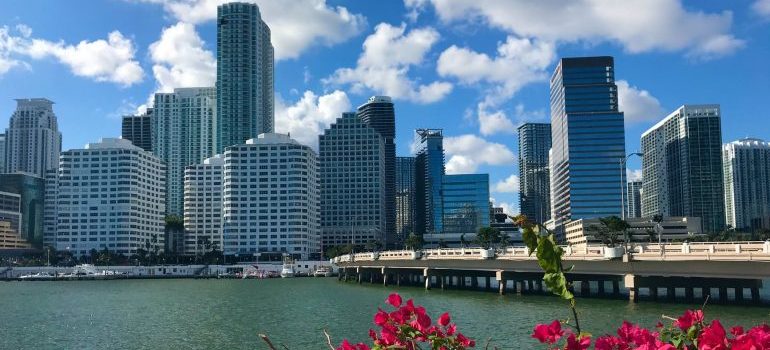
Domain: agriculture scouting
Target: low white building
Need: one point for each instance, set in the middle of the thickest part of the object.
(111, 194)
(641, 230)
(271, 198)
(203, 205)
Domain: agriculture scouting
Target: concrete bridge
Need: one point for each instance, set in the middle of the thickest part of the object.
(723, 272)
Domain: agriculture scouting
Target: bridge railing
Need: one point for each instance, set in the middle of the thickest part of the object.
(724, 251)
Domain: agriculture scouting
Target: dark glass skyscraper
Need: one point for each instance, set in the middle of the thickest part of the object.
(534, 180)
(379, 114)
(588, 140)
(429, 173)
(138, 129)
(245, 98)
(405, 198)
(31, 190)
(465, 203)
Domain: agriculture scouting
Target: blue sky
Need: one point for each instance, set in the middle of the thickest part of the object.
(476, 68)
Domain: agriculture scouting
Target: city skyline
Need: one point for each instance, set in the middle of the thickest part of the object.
(328, 68)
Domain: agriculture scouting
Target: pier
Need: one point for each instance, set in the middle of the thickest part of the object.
(690, 272)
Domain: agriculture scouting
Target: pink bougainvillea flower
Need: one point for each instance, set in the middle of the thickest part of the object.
(689, 319)
(347, 346)
(468, 343)
(381, 317)
(736, 331)
(548, 333)
(394, 299)
(444, 319)
(713, 337)
(573, 343)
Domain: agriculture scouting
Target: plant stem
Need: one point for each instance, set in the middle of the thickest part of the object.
(574, 314)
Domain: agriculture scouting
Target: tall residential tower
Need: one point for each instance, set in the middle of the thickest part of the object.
(535, 183)
(747, 184)
(244, 74)
(33, 140)
(138, 129)
(682, 166)
(429, 174)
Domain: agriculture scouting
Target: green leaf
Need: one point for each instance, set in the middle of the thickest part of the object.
(548, 254)
(530, 239)
(557, 283)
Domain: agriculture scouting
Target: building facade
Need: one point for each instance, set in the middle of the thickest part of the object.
(271, 199)
(10, 210)
(111, 194)
(244, 75)
(379, 114)
(579, 232)
(747, 184)
(634, 199)
(50, 207)
(203, 205)
(2, 153)
(429, 174)
(184, 133)
(682, 166)
(33, 140)
(138, 129)
(534, 178)
(31, 190)
(588, 140)
(352, 170)
(405, 198)
(465, 202)
(10, 239)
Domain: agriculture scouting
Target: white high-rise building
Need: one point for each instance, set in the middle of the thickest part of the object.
(110, 195)
(50, 207)
(271, 198)
(2, 153)
(33, 140)
(203, 205)
(747, 184)
(184, 133)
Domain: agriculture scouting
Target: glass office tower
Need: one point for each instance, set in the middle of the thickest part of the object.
(535, 191)
(245, 67)
(466, 203)
(588, 140)
(429, 173)
(405, 198)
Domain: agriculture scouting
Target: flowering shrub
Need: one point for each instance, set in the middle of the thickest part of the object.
(689, 331)
(408, 327)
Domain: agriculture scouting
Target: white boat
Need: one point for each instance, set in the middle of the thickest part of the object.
(37, 276)
(287, 271)
(89, 271)
(323, 271)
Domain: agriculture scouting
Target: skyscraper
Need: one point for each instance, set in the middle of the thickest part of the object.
(138, 129)
(121, 209)
(244, 74)
(634, 199)
(352, 163)
(203, 205)
(747, 184)
(588, 140)
(184, 124)
(429, 173)
(682, 166)
(534, 179)
(271, 199)
(405, 198)
(33, 140)
(379, 114)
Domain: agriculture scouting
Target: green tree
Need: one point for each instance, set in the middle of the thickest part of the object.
(373, 245)
(488, 237)
(414, 242)
(609, 230)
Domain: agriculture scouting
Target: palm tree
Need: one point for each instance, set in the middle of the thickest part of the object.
(414, 242)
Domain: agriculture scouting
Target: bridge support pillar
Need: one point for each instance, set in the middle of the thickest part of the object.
(689, 294)
(671, 293)
(475, 282)
(755, 295)
(629, 281)
(500, 282)
(585, 288)
(616, 289)
(384, 277)
(600, 288)
(739, 294)
(519, 286)
(488, 283)
(723, 294)
(427, 275)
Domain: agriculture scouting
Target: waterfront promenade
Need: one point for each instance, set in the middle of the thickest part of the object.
(722, 272)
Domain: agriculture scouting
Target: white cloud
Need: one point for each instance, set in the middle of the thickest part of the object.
(467, 152)
(309, 116)
(498, 122)
(634, 174)
(180, 59)
(10, 46)
(110, 60)
(508, 185)
(383, 67)
(508, 208)
(638, 105)
(762, 7)
(519, 61)
(637, 25)
(295, 25)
